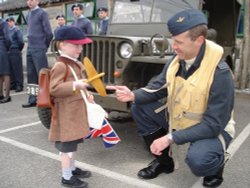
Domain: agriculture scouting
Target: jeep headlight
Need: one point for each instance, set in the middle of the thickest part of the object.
(126, 50)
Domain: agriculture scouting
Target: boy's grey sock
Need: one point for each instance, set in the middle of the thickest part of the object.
(67, 173)
(72, 165)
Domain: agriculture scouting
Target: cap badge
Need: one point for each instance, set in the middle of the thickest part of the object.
(180, 19)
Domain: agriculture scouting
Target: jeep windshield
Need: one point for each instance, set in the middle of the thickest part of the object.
(148, 11)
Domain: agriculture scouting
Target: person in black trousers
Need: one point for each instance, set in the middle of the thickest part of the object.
(4, 62)
(39, 38)
(15, 55)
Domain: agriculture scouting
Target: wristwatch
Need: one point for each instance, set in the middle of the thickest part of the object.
(170, 137)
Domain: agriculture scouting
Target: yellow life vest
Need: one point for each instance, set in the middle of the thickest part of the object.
(187, 99)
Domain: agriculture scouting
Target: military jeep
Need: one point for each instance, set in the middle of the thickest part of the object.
(138, 43)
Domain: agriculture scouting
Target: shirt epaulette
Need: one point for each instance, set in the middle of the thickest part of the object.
(223, 65)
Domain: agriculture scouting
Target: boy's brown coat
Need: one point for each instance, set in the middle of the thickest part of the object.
(71, 115)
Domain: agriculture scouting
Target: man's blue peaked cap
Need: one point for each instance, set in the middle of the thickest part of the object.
(185, 20)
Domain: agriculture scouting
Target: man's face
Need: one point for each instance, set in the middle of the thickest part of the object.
(102, 14)
(32, 3)
(184, 47)
(77, 12)
(60, 21)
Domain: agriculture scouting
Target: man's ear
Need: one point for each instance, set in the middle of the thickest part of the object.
(200, 39)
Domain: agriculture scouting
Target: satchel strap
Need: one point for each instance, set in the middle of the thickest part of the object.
(82, 93)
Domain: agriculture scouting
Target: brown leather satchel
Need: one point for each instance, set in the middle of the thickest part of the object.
(43, 98)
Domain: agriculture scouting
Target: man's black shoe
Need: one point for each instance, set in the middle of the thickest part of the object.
(5, 99)
(81, 173)
(1, 97)
(214, 180)
(74, 182)
(19, 89)
(12, 87)
(28, 105)
(154, 169)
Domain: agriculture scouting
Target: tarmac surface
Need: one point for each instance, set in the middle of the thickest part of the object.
(29, 160)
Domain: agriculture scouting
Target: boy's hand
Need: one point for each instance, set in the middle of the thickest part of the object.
(80, 84)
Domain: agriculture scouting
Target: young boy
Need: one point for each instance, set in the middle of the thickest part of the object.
(69, 124)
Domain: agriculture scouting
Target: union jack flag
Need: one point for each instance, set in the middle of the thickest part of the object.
(109, 136)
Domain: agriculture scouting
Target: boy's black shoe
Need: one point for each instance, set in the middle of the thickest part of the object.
(81, 173)
(74, 182)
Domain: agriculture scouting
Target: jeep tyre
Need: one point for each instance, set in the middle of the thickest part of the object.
(44, 115)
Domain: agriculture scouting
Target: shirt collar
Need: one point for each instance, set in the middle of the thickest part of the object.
(37, 7)
(11, 28)
(71, 58)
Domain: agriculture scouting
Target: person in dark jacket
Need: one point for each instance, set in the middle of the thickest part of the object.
(15, 55)
(200, 98)
(80, 20)
(104, 20)
(4, 62)
(39, 38)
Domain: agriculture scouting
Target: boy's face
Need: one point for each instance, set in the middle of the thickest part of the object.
(32, 3)
(72, 50)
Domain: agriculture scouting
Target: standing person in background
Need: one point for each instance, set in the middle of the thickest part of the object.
(4, 62)
(60, 22)
(104, 20)
(80, 20)
(39, 38)
(15, 55)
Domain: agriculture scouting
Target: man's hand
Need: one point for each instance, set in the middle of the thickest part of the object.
(160, 144)
(123, 93)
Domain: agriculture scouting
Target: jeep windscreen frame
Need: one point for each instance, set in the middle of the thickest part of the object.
(148, 11)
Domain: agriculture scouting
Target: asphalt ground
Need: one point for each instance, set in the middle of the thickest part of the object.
(29, 160)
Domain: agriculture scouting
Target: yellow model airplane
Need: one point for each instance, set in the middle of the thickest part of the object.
(93, 77)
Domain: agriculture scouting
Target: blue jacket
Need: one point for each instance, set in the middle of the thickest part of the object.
(103, 25)
(4, 36)
(84, 24)
(16, 38)
(220, 101)
(39, 29)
